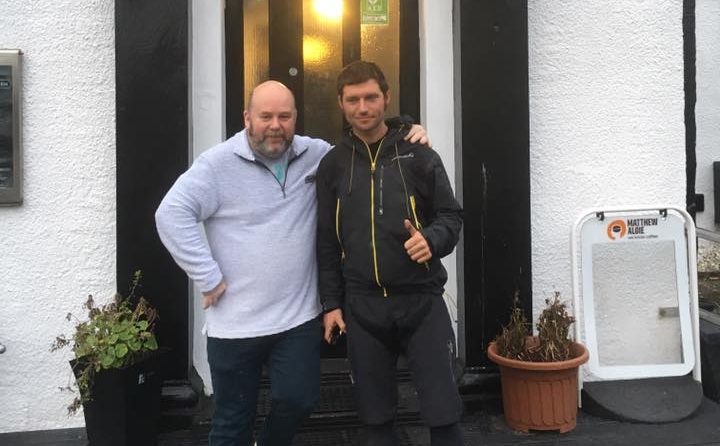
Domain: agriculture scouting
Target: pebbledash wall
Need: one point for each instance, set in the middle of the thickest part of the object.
(606, 128)
(59, 246)
(606, 119)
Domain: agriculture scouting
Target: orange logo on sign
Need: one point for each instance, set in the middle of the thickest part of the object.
(616, 229)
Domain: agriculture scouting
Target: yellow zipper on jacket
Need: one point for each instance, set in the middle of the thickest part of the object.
(417, 222)
(412, 206)
(372, 211)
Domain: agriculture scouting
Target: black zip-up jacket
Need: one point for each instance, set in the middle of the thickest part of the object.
(360, 249)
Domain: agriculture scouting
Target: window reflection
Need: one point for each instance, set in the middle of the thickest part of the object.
(329, 10)
(322, 60)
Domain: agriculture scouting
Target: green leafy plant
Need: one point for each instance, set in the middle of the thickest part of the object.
(553, 340)
(115, 335)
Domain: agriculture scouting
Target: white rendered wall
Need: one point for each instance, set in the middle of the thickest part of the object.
(437, 107)
(606, 119)
(208, 129)
(707, 109)
(60, 245)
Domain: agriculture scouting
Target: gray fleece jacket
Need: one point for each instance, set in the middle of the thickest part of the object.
(260, 236)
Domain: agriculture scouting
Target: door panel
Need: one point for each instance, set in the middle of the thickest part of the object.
(286, 30)
(323, 61)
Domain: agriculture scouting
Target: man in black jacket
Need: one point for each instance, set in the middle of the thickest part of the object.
(386, 215)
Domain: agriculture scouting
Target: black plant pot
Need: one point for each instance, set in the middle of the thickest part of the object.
(125, 405)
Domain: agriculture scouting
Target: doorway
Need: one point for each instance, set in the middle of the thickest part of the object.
(305, 44)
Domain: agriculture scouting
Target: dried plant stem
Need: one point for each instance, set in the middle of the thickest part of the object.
(553, 334)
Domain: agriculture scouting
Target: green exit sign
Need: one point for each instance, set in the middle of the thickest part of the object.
(374, 12)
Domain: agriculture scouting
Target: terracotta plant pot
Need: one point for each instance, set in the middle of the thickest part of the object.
(540, 395)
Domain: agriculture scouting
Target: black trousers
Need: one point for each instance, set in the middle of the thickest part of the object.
(379, 329)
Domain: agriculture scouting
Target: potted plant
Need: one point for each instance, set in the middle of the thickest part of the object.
(539, 374)
(116, 368)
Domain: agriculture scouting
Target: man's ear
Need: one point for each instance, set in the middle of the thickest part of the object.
(246, 118)
(340, 102)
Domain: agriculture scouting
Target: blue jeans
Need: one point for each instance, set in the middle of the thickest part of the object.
(293, 361)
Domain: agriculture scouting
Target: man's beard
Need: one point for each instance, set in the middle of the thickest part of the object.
(258, 144)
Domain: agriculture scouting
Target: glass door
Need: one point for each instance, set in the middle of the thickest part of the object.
(305, 44)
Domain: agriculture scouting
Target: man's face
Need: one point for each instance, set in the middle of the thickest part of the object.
(270, 121)
(364, 106)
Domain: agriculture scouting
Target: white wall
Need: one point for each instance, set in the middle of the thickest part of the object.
(606, 118)
(208, 118)
(60, 244)
(437, 105)
(707, 109)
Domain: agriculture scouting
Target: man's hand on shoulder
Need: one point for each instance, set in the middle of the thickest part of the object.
(417, 134)
(212, 296)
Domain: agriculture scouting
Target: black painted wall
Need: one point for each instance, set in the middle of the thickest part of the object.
(690, 87)
(496, 171)
(152, 150)
(234, 67)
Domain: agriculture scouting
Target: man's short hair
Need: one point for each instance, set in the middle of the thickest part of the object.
(358, 72)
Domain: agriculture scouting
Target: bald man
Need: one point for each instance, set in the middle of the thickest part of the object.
(255, 196)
